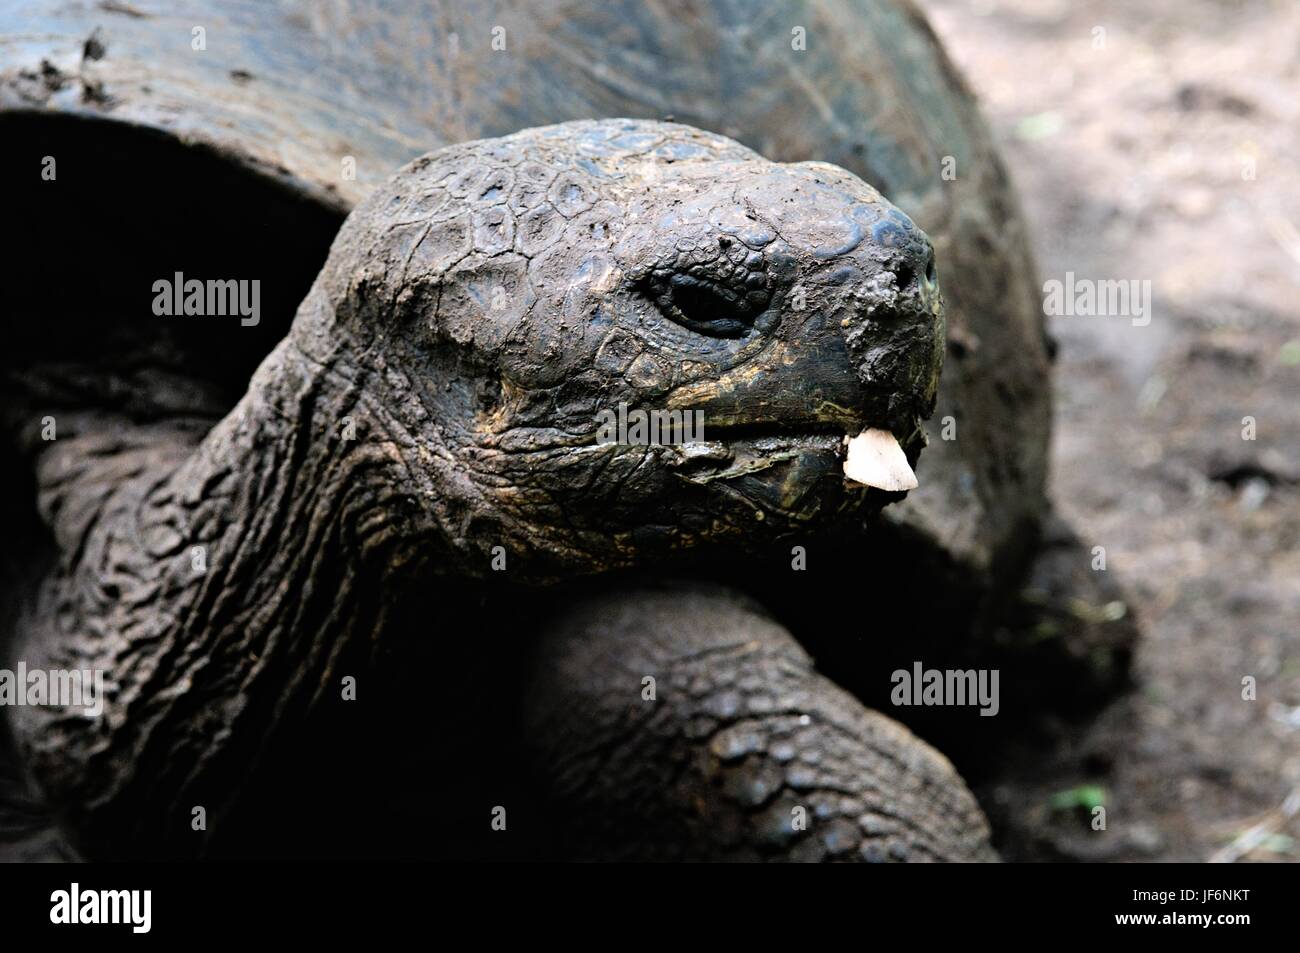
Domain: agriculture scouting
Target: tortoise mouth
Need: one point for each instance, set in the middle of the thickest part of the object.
(828, 432)
(741, 450)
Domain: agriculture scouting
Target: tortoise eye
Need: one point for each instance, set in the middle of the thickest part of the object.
(706, 306)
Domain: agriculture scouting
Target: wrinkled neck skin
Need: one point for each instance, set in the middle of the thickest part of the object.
(217, 587)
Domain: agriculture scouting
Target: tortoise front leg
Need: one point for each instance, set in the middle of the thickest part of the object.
(683, 723)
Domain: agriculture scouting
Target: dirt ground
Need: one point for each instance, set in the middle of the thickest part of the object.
(1164, 149)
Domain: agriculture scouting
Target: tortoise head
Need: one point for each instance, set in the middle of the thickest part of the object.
(611, 340)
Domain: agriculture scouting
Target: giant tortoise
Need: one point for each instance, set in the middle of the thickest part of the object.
(359, 576)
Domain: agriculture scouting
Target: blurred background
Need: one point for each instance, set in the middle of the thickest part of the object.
(1158, 141)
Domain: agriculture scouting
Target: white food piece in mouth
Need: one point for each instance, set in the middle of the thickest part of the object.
(876, 459)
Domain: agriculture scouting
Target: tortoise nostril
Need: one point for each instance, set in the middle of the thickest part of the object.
(906, 273)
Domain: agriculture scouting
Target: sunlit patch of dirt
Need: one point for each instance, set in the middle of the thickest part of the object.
(1156, 141)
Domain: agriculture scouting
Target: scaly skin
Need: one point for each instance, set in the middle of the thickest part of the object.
(473, 317)
(743, 753)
